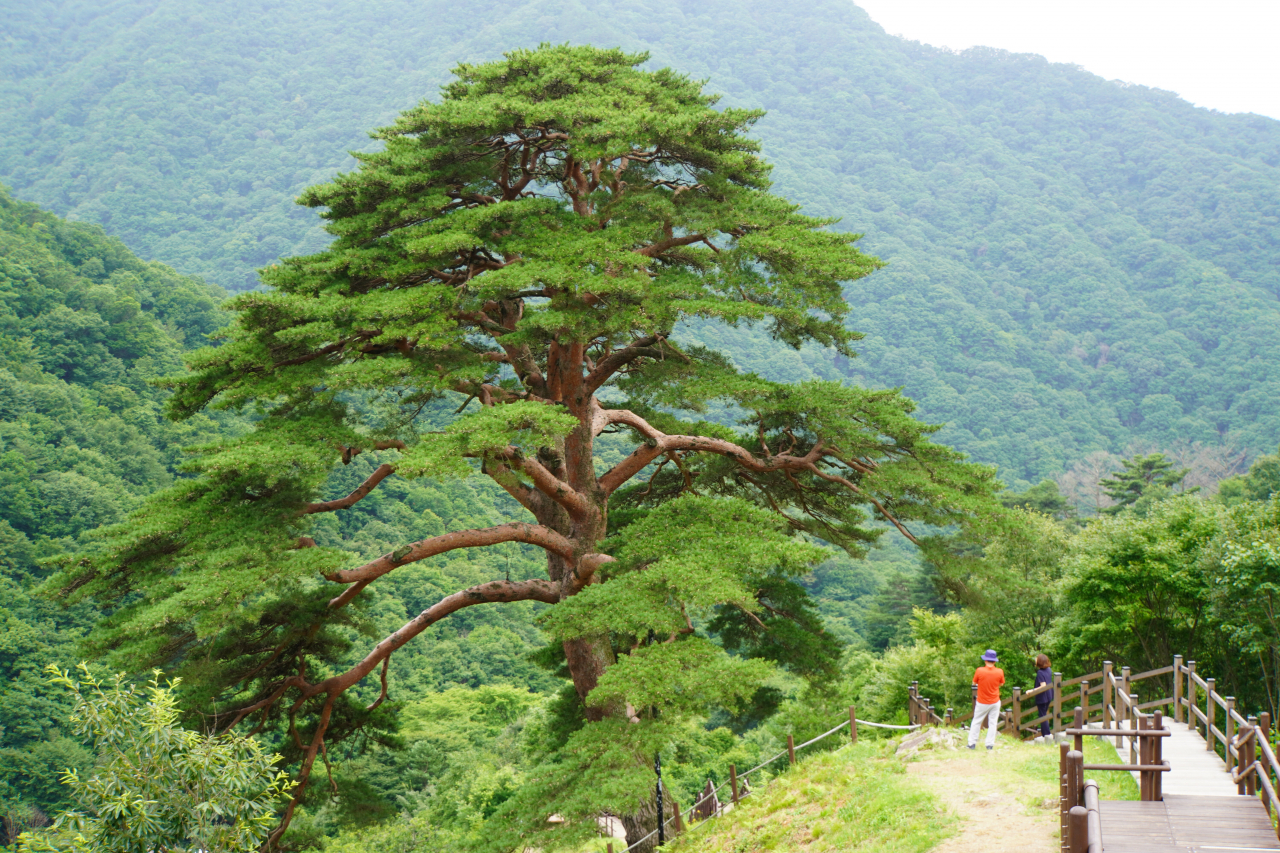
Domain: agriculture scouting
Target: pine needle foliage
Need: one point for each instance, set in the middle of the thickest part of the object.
(524, 249)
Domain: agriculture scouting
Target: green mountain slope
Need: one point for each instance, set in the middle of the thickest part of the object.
(84, 324)
(1076, 265)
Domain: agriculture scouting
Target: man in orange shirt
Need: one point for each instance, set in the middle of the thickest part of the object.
(989, 678)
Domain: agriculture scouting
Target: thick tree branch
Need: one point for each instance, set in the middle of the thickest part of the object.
(380, 473)
(615, 361)
(658, 443)
(655, 249)
(486, 593)
(549, 484)
(884, 513)
(530, 534)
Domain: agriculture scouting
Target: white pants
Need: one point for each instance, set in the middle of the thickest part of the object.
(992, 714)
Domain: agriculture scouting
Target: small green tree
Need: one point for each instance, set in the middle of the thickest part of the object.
(159, 788)
(1262, 481)
(1142, 476)
(531, 244)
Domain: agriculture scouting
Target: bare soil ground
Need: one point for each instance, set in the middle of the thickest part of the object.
(1001, 800)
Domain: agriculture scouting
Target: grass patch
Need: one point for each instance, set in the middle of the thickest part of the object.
(1034, 767)
(859, 797)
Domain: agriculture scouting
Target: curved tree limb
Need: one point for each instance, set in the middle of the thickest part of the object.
(530, 534)
(548, 484)
(618, 359)
(380, 473)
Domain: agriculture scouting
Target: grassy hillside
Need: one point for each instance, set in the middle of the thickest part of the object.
(1076, 265)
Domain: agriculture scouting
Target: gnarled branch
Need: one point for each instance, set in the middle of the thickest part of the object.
(530, 534)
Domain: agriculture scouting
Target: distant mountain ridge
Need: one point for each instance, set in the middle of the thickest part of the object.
(1075, 265)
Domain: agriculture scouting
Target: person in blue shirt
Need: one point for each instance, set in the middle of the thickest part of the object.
(1044, 675)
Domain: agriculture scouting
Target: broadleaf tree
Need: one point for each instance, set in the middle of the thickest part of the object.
(524, 251)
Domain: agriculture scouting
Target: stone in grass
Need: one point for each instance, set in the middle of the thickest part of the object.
(928, 739)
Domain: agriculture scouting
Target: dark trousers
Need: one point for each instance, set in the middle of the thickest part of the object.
(1046, 727)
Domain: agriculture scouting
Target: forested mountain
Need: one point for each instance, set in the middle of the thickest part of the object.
(1075, 265)
(84, 326)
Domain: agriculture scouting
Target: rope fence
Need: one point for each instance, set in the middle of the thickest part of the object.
(851, 724)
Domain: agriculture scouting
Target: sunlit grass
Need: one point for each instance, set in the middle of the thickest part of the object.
(857, 798)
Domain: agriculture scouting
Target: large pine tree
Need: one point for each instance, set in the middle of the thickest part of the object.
(525, 250)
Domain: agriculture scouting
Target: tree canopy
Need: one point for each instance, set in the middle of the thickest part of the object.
(523, 252)
(1076, 265)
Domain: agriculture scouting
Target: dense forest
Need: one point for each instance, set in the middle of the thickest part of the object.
(1062, 249)
(1081, 284)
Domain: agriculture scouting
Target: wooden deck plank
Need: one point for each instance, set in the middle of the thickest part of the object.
(1187, 824)
(1193, 770)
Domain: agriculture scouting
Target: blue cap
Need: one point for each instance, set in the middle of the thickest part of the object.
(990, 655)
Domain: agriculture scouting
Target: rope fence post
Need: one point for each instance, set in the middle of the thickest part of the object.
(853, 725)
(791, 750)
(733, 783)
(1016, 708)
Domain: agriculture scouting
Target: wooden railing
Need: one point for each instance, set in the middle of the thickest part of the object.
(1105, 696)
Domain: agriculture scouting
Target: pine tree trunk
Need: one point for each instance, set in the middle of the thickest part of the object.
(640, 824)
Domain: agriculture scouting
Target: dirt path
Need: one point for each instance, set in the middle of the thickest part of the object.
(998, 804)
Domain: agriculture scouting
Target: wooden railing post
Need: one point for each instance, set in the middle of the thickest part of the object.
(1064, 794)
(1078, 829)
(1177, 688)
(1192, 720)
(1264, 764)
(1106, 694)
(853, 725)
(1084, 698)
(1209, 712)
(791, 750)
(949, 719)
(1016, 708)
(1229, 732)
(1155, 754)
(1057, 702)
(912, 713)
(733, 783)
(1248, 754)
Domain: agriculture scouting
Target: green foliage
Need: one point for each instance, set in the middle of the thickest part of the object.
(1076, 265)
(534, 239)
(1261, 482)
(156, 785)
(1151, 476)
(1044, 498)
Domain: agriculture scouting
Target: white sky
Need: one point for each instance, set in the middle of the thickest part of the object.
(1221, 54)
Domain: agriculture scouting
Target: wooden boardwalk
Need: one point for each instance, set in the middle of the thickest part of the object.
(1187, 824)
(1194, 769)
(1201, 810)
